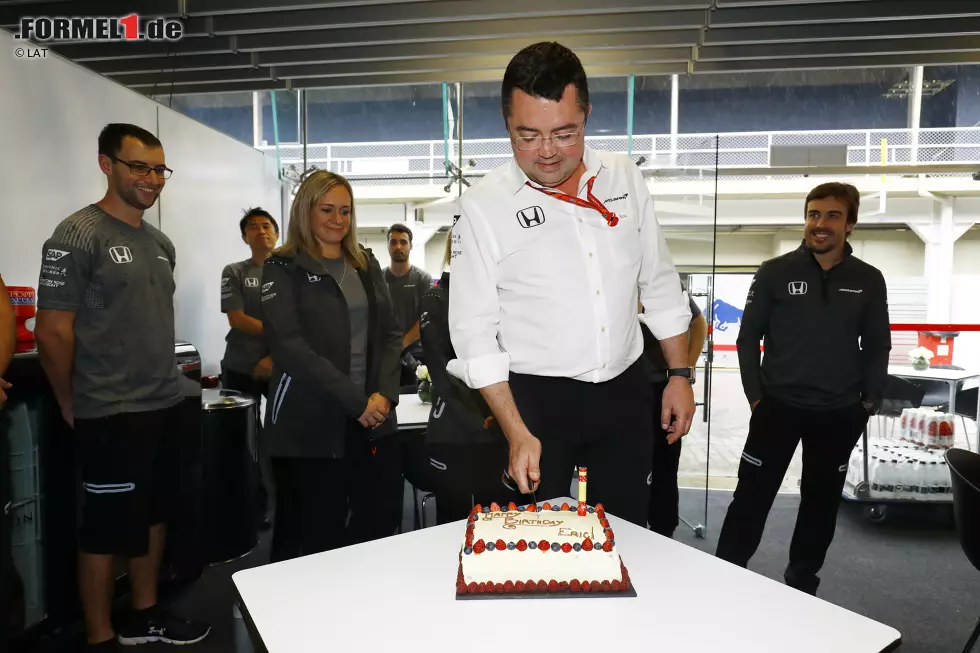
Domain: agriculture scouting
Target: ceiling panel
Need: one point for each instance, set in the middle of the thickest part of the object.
(246, 45)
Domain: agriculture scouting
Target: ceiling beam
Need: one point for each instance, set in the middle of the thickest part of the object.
(838, 32)
(447, 66)
(402, 51)
(449, 11)
(83, 53)
(485, 75)
(12, 13)
(769, 3)
(870, 10)
(662, 30)
(823, 63)
(112, 67)
(838, 48)
(217, 7)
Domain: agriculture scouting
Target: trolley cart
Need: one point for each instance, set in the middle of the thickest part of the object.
(900, 393)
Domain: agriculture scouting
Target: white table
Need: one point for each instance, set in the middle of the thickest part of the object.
(398, 594)
(412, 413)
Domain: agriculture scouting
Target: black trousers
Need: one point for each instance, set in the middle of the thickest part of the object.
(775, 430)
(607, 427)
(244, 383)
(328, 503)
(468, 474)
(662, 516)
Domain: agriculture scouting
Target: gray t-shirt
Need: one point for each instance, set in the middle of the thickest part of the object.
(357, 311)
(118, 280)
(406, 295)
(241, 285)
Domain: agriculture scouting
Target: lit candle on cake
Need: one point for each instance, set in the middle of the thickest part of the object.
(582, 477)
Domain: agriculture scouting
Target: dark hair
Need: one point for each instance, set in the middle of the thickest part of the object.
(112, 135)
(543, 70)
(257, 212)
(400, 228)
(846, 193)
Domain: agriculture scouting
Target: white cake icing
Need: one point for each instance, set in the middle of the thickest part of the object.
(554, 526)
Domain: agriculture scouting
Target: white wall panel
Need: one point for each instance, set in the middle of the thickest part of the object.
(215, 179)
(51, 113)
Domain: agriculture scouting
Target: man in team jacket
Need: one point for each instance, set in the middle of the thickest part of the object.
(822, 315)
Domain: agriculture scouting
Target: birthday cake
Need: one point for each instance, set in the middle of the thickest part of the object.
(540, 548)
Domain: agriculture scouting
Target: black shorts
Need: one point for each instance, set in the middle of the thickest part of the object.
(129, 471)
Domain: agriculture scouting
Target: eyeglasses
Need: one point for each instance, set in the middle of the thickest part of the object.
(143, 170)
(531, 143)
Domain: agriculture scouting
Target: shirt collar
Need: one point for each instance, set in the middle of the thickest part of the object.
(516, 178)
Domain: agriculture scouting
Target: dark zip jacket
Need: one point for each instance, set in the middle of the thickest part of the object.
(459, 415)
(826, 333)
(312, 401)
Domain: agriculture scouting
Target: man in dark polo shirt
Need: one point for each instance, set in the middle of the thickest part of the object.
(105, 334)
(247, 364)
(406, 284)
(662, 514)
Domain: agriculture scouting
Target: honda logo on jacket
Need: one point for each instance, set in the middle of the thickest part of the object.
(121, 254)
(532, 216)
(797, 287)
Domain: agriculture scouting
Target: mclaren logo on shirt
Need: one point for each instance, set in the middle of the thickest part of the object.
(251, 282)
(797, 287)
(121, 254)
(532, 216)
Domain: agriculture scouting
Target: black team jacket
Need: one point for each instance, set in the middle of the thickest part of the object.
(312, 401)
(459, 414)
(825, 333)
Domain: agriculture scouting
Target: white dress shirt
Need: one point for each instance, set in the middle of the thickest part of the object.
(545, 287)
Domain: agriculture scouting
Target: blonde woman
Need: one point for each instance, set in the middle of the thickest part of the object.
(335, 346)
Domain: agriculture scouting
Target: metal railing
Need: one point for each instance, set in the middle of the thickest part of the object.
(424, 162)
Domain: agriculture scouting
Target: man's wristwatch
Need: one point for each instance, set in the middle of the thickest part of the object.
(688, 373)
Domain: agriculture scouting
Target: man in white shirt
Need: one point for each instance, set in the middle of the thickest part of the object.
(550, 254)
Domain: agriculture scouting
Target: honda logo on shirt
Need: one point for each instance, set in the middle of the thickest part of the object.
(251, 282)
(797, 287)
(532, 216)
(121, 254)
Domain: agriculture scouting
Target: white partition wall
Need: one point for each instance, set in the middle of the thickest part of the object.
(215, 179)
(51, 113)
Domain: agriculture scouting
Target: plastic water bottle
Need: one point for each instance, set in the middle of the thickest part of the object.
(874, 473)
(947, 431)
(945, 482)
(935, 489)
(910, 480)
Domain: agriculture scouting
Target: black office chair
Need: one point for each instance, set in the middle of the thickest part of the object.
(417, 470)
(898, 395)
(966, 407)
(965, 477)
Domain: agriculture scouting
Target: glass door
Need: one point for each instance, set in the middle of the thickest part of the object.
(685, 198)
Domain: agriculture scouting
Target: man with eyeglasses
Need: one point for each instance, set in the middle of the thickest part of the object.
(105, 335)
(550, 255)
